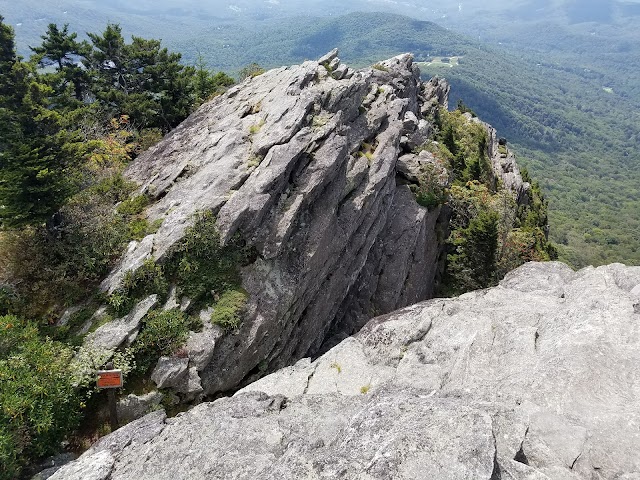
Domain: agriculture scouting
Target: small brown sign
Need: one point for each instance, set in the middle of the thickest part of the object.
(109, 378)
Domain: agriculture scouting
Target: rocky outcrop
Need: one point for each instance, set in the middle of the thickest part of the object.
(534, 379)
(122, 331)
(301, 162)
(310, 165)
(133, 406)
(504, 166)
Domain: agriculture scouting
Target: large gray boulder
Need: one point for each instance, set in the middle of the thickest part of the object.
(133, 406)
(302, 162)
(537, 378)
(122, 331)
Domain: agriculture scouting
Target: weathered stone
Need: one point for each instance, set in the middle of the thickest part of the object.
(97, 462)
(422, 134)
(504, 166)
(98, 316)
(201, 345)
(137, 432)
(93, 467)
(136, 254)
(173, 302)
(46, 473)
(134, 406)
(435, 93)
(514, 382)
(303, 166)
(410, 122)
(340, 71)
(328, 57)
(53, 464)
(113, 334)
(170, 372)
(67, 314)
(191, 386)
(290, 381)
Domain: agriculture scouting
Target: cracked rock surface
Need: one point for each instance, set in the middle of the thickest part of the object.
(302, 162)
(536, 378)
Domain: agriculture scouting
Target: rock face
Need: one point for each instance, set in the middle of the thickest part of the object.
(312, 166)
(505, 167)
(537, 378)
(302, 162)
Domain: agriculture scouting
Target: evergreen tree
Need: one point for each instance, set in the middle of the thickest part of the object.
(61, 48)
(140, 80)
(207, 84)
(34, 153)
(7, 59)
(481, 246)
(58, 47)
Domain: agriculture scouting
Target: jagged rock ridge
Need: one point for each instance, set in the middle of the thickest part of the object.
(309, 165)
(534, 379)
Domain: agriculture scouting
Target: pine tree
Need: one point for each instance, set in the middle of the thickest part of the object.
(206, 84)
(58, 47)
(34, 154)
(481, 246)
(141, 80)
(61, 48)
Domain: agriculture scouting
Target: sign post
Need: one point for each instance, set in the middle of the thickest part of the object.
(111, 379)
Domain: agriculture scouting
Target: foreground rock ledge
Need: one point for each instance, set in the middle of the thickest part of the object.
(537, 378)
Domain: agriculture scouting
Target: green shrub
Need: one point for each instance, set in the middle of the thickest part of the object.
(52, 268)
(133, 206)
(379, 66)
(201, 267)
(78, 251)
(38, 403)
(198, 265)
(227, 311)
(252, 70)
(162, 334)
(136, 284)
(467, 145)
(138, 228)
(429, 192)
(426, 198)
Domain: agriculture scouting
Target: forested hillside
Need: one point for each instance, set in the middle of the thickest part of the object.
(563, 91)
(67, 131)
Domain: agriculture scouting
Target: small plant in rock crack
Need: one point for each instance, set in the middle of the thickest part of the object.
(254, 160)
(336, 366)
(379, 66)
(255, 128)
(228, 310)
